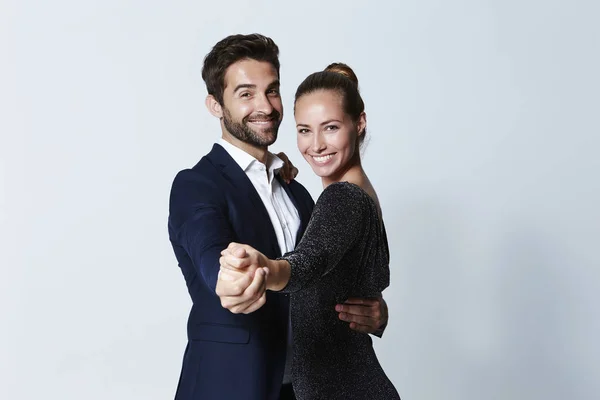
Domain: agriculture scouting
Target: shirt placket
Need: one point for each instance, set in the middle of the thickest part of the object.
(280, 214)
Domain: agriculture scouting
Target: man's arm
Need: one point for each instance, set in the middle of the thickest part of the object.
(202, 235)
(198, 223)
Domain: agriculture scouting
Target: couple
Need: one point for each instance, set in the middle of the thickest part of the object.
(246, 238)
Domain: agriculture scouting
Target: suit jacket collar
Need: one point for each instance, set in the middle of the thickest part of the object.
(240, 182)
(242, 158)
(233, 173)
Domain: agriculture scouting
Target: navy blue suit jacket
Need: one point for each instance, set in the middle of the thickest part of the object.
(228, 356)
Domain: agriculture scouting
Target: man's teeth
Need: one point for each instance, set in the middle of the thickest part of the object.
(322, 158)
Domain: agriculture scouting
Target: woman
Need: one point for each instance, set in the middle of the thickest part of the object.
(342, 254)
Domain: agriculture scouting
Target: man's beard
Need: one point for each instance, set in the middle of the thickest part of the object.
(246, 134)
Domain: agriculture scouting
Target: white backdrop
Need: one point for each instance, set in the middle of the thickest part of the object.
(483, 118)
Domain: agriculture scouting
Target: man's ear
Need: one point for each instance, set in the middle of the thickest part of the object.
(214, 107)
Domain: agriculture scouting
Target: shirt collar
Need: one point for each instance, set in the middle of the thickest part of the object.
(274, 163)
(242, 158)
(245, 160)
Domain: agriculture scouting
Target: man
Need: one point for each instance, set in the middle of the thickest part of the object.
(235, 194)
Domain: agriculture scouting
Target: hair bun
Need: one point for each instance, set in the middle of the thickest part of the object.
(343, 69)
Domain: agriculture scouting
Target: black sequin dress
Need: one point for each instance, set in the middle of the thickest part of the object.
(343, 253)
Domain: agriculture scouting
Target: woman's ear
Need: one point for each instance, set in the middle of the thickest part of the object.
(214, 107)
(361, 124)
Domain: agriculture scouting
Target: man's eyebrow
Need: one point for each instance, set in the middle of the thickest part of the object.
(244, 86)
(275, 83)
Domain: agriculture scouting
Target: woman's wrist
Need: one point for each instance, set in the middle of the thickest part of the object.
(279, 274)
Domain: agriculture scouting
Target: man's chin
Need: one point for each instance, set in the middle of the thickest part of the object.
(266, 138)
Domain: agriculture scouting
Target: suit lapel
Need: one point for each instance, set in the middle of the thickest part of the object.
(241, 183)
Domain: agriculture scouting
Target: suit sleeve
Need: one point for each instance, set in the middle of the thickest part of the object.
(334, 228)
(198, 223)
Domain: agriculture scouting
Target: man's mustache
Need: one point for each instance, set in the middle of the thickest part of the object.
(275, 115)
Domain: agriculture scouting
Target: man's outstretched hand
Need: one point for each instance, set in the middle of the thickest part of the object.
(242, 281)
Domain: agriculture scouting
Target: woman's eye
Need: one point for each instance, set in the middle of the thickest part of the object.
(331, 128)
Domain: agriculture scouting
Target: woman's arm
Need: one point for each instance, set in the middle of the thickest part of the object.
(336, 225)
(337, 222)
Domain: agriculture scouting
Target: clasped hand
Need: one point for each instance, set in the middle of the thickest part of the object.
(242, 281)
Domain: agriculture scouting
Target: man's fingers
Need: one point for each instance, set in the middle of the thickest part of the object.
(239, 252)
(263, 298)
(230, 302)
(256, 305)
(229, 284)
(368, 311)
(288, 171)
(235, 262)
(234, 274)
(358, 319)
(228, 265)
(253, 294)
(233, 245)
(230, 262)
(235, 249)
(227, 275)
(357, 310)
(363, 301)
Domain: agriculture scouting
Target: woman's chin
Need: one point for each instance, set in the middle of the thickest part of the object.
(322, 174)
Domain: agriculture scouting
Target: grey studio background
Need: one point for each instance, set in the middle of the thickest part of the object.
(483, 118)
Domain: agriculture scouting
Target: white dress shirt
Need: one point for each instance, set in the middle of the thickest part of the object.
(282, 212)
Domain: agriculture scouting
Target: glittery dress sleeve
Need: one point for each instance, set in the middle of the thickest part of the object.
(334, 228)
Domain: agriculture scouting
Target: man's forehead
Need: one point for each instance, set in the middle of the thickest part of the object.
(251, 72)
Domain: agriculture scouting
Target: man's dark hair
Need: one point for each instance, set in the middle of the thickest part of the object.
(231, 50)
